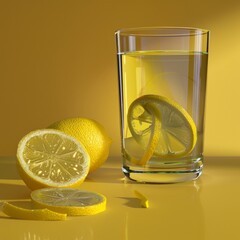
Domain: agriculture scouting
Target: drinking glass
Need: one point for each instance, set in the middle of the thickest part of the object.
(162, 75)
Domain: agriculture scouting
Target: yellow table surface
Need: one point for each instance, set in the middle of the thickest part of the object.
(208, 208)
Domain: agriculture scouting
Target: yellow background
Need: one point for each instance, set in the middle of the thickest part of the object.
(57, 60)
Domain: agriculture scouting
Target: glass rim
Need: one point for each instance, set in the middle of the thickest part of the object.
(163, 31)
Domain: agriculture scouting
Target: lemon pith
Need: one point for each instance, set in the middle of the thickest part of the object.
(49, 157)
(161, 127)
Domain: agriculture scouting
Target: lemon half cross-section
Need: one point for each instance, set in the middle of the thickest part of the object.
(51, 158)
(71, 201)
(162, 127)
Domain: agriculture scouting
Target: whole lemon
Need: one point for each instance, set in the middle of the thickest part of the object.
(91, 134)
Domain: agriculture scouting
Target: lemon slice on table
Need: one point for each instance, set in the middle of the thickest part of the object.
(161, 127)
(71, 201)
(50, 158)
(31, 214)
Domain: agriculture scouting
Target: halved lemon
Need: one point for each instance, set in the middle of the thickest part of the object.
(162, 127)
(51, 158)
(91, 134)
(71, 201)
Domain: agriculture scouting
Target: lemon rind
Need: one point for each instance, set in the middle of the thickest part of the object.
(32, 214)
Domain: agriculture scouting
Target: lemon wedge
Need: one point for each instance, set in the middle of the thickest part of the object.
(71, 201)
(162, 128)
(51, 158)
(143, 199)
(31, 214)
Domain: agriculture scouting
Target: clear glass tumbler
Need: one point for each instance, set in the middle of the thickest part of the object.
(162, 84)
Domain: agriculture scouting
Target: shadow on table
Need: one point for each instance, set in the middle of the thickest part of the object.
(132, 202)
(13, 191)
(106, 175)
(8, 168)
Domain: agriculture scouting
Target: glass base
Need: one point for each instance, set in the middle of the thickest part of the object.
(155, 175)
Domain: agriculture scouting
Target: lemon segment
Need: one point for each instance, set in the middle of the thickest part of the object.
(143, 199)
(32, 214)
(91, 134)
(50, 158)
(73, 202)
(162, 127)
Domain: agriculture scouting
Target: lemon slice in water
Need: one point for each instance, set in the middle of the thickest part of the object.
(161, 127)
(71, 201)
(51, 158)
